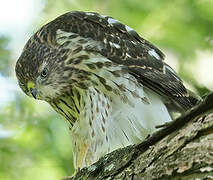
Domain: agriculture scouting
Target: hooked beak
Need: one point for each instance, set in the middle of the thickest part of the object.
(34, 92)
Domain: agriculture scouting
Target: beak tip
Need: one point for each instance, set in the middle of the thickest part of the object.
(34, 96)
(33, 91)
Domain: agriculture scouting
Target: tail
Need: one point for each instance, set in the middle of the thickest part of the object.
(194, 99)
(183, 104)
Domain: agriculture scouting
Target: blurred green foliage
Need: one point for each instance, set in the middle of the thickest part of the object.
(4, 55)
(38, 144)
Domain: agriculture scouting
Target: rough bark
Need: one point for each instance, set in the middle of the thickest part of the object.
(183, 149)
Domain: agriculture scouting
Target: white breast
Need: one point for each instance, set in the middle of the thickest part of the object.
(113, 120)
(131, 122)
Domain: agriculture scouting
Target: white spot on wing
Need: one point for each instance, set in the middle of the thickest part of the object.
(164, 69)
(90, 14)
(61, 33)
(129, 28)
(128, 55)
(153, 53)
(112, 21)
(116, 45)
(171, 70)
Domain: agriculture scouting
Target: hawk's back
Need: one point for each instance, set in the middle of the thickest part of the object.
(103, 35)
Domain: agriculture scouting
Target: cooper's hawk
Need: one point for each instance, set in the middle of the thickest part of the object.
(109, 83)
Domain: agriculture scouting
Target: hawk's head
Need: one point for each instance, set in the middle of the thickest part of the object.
(40, 70)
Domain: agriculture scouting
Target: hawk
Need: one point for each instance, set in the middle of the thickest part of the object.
(111, 85)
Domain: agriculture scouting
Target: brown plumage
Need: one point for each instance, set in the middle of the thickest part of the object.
(109, 83)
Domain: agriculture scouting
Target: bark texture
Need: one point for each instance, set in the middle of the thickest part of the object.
(182, 149)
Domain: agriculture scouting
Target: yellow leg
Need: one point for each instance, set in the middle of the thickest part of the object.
(81, 157)
(79, 163)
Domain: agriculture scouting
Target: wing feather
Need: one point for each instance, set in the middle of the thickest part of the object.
(122, 45)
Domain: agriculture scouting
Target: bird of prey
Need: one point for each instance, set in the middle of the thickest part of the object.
(112, 85)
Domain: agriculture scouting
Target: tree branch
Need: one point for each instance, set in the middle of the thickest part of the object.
(182, 149)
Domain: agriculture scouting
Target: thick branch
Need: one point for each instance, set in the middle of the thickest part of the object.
(182, 149)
